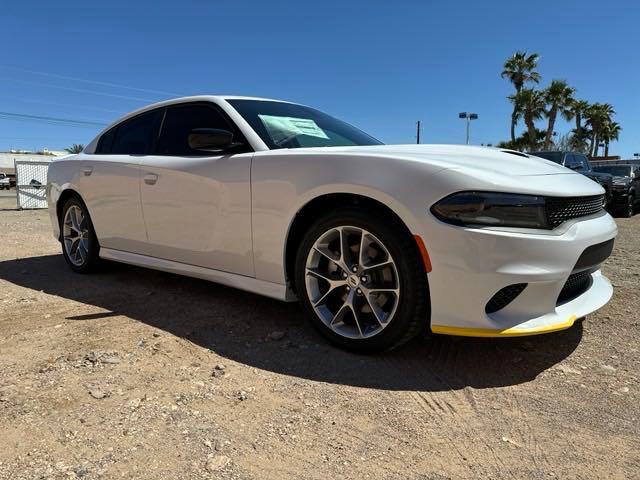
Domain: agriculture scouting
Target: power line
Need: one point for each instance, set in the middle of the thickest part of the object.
(94, 82)
(49, 120)
(56, 104)
(79, 90)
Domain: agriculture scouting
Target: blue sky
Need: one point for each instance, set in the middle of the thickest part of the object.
(380, 65)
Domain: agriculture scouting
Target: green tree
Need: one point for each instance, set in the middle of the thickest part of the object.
(559, 97)
(529, 103)
(520, 69)
(609, 133)
(579, 136)
(598, 116)
(75, 148)
(578, 110)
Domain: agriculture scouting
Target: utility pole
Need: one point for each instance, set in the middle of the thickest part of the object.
(418, 131)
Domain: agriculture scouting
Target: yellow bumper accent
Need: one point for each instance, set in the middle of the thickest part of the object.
(508, 332)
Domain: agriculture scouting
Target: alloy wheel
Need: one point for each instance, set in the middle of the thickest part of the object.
(75, 235)
(352, 282)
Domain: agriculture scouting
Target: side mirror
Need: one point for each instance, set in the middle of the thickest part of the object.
(210, 139)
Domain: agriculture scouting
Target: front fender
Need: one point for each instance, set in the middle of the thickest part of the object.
(282, 184)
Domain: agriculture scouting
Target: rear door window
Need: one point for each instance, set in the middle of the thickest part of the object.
(106, 141)
(136, 136)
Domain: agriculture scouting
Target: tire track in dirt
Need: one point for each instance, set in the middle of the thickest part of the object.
(455, 411)
(455, 404)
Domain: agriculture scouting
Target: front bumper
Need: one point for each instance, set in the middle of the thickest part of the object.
(620, 196)
(471, 264)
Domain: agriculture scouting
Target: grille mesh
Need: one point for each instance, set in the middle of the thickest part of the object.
(504, 297)
(576, 284)
(561, 209)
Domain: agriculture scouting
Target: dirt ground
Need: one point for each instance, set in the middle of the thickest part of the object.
(132, 373)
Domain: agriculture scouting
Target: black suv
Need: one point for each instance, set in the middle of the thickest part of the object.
(578, 162)
(626, 186)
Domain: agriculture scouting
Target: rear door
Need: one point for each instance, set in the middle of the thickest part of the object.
(110, 182)
(197, 205)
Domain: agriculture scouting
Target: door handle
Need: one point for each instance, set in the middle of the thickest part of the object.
(87, 171)
(150, 178)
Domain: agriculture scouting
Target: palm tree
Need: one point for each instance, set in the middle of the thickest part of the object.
(598, 115)
(75, 148)
(579, 135)
(559, 96)
(578, 110)
(610, 132)
(530, 104)
(520, 69)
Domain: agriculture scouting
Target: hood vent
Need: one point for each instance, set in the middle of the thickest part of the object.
(513, 152)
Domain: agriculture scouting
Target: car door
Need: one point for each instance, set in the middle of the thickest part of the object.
(110, 182)
(197, 205)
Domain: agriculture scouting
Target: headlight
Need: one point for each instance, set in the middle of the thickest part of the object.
(492, 209)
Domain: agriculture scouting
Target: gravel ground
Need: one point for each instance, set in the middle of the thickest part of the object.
(132, 373)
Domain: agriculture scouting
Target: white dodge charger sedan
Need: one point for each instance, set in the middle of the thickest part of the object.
(378, 242)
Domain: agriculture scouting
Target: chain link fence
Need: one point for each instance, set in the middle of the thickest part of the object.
(31, 183)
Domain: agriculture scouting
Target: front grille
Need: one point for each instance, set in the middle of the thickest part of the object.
(504, 297)
(561, 209)
(576, 284)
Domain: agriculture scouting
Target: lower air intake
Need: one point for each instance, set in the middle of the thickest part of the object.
(504, 297)
(576, 284)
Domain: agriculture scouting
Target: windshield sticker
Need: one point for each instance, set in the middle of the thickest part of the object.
(283, 128)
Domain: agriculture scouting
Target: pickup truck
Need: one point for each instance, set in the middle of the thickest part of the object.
(626, 186)
(5, 182)
(579, 162)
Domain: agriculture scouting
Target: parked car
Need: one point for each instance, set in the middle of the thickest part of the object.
(5, 182)
(626, 186)
(378, 242)
(579, 162)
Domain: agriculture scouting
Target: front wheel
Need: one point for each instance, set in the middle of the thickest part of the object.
(79, 242)
(361, 279)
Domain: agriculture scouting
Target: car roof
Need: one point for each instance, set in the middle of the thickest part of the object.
(173, 101)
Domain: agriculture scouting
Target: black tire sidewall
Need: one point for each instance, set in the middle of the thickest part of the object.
(412, 304)
(94, 247)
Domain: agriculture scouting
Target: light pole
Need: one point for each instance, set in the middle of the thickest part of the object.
(468, 116)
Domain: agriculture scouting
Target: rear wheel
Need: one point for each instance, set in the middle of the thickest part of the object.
(628, 209)
(361, 280)
(79, 243)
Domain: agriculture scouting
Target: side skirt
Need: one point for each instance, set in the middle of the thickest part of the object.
(249, 284)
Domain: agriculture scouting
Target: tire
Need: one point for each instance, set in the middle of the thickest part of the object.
(78, 239)
(391, 317)
(628, 209)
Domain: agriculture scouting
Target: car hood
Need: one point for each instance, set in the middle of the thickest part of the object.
(501, 161)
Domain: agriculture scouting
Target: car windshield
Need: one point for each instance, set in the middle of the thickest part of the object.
(553, 156)
(287, 125)
(615, 170)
